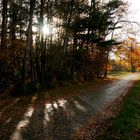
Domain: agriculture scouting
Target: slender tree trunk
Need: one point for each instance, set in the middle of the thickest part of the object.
(4, 24)
(13, 24)
(29, 42)
(66, 39)
(42, 43)
(20, 24)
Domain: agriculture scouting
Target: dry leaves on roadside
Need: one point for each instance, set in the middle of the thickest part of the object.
(99, 124)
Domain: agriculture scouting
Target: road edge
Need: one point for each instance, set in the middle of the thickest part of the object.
(102, 121)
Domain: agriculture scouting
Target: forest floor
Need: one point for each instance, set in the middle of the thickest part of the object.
(45, 116)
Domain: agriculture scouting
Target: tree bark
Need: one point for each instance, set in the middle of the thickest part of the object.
(4, 24)
(29, 44)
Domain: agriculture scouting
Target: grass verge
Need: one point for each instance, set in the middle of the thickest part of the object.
(118, 74)
(127, 125)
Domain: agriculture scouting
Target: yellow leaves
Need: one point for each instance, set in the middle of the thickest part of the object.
(127, 53)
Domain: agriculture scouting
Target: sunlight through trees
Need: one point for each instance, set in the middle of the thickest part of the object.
(46, 42)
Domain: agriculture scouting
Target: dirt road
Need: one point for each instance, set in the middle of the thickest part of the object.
(58, 120)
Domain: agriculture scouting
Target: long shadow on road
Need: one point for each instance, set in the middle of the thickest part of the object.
(58, 119)
(11, 116)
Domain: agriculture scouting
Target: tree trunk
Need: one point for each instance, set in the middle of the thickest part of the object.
(4, 23)
(42, 44)
(29, 42)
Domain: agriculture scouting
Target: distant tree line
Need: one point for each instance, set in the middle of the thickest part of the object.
(45, 42)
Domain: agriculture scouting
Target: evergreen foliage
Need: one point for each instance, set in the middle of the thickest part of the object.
(75, 45)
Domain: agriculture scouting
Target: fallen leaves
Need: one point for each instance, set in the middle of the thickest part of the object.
(101, 122)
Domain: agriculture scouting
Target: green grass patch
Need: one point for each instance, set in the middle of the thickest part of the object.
(118, 74)
(127, 125)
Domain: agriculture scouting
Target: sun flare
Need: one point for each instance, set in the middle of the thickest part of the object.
(46, 30)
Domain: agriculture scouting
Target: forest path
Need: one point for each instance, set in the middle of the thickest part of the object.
(59, 119)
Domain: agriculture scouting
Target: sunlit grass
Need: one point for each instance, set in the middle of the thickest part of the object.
(118, 74)
(127, 124)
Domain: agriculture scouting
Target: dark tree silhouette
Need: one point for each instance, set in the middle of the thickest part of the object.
(69, 41)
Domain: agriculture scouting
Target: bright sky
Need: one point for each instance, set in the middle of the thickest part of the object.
(134, 10)
(134, 15)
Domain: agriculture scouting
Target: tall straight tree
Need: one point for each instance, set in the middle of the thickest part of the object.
(42, 42)
(4, 23)
(29, 41)
(13, 21)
